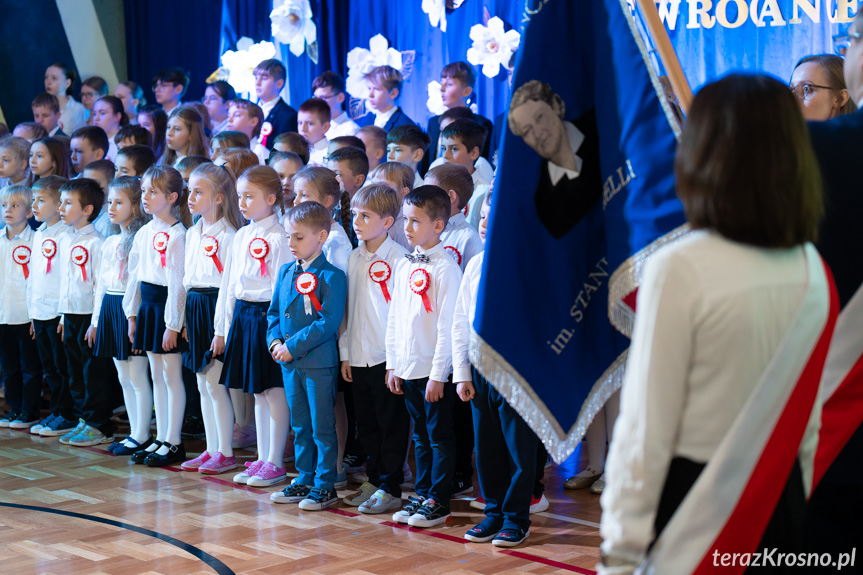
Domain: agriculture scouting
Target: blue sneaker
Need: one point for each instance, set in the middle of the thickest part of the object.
(60, 426)
(34, 430)
(81, 425)
(88, 436)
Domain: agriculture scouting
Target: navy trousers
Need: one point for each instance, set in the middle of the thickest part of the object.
(434, 439)
(54, 365)
(22, 374)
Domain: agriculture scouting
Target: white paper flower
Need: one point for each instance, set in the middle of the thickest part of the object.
(436, 9)
(362, 61)
(435, 101)
(293, 25)
(492, 47)
(241, 63)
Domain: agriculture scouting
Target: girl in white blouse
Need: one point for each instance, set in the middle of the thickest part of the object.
(109, 324)
(155, 304)
(212, 196)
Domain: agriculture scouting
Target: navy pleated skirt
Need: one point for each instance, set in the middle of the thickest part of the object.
(248, 364)
(150, 327)
(200, 328)
(112, 335)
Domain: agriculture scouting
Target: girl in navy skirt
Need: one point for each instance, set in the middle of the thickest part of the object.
(109, 327)
(213, 196)
(258, 252)
(155, 304)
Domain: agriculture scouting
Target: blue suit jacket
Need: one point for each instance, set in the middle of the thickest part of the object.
(311, 338)
(283, 118)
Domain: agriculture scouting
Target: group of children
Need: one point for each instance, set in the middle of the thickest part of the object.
(332, 287)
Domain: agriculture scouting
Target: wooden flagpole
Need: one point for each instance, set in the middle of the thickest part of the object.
(667, 54)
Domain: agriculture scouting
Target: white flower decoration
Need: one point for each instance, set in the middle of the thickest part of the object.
(293, 25)
(241, 63)
(436, 9)
(492, 47)
(362, 61)
(435, 101)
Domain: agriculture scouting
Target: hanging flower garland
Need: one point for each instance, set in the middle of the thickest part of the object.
(362, 61)
(492, 46)
(293, 26)
(436, 9)
(237, 66)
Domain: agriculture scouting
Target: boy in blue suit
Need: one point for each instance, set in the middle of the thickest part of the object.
(302, 324)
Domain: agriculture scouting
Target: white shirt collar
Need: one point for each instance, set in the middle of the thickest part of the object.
(321, 144)
(576, 138)
(267, 222)
(456, 220)
(55, 130)
(267, 107)
(212, 229)
(382, 252)
(381, 118)
(88, 229)
(434, 250)
(305, 264)
(340, 119)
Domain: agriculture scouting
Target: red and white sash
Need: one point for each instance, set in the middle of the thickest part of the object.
(841, 387)
(731, 502)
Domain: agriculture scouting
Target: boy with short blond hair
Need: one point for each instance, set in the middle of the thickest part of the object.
(46, 111)
(381, 416)
(375, 140)
(248, 118)
(385, 85)
(19, 356)
(14, 160)
(419, 352)
(313, 121)
(43, 303)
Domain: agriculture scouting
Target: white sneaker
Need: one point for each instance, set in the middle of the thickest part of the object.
(538, 505)
(404, 514)
(380, 502)
(360, 497)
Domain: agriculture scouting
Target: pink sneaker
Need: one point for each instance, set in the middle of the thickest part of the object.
(195, 464)
(244, 436)
(268, 474)
(251, 469)
(218, 464)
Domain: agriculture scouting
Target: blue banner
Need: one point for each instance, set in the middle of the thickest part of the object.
(713, 37)
(585, 185)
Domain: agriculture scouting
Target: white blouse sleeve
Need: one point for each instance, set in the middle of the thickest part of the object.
(132, 298)
(652, 400)
(102, 281)
(175, 307)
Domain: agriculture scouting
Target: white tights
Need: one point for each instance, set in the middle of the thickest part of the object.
(137, 395)
(599, 433)
(169, 396)
(272, 420)
(216, 409)
(244, 407)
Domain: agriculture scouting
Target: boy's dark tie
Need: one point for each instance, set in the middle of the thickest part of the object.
(419, 258)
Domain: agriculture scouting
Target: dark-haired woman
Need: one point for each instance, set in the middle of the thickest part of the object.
(719, 414)
(59, 79)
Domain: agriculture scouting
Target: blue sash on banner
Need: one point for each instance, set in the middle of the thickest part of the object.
(585, 187)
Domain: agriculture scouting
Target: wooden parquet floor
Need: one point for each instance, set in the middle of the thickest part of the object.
(70, 511)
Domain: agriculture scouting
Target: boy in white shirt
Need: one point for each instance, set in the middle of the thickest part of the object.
(419, 352)
(330, 87)
(81, 200)
(459, 239)
(351, 167)
(313, 121)
(43, 302)
(248, 118)
(19, 357)
(382, 420)
(462, 142)
(407, 144)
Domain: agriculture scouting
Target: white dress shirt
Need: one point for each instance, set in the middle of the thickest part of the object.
(201, 270)
(113, 276)
(220, 127)
(419, 342)
(711, 315)
(77, 295)
(318, 151)
(465, 310)
(363, 344)
(260, 150)
(460, 236)
(73, 116)
(338, 247)
(474, 206)
(342, 125)
(242, 276)
(418, 181)
(43, 293)
(381, 118)
(575, 139)
(112, 149)
(267, 107)
(13, 296)
(482, 174)
(145, 265)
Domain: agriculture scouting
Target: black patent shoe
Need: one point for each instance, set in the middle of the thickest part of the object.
(175, 453)
(142, 454)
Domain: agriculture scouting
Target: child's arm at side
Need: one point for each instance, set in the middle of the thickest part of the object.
(132, 298)
(448, 281)
(175, 307)
(274, 313)
(221, 321)
(394, 383)
(461, 374)
(326, 326)
(101, 288)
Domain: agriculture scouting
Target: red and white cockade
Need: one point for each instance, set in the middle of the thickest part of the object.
(49, 250)
(21, 256)
(420, 281)
(258, 249)
(160, 244)
(454, 253)
(79, 256)
(306, 284)
(210, 247)
(380, 272)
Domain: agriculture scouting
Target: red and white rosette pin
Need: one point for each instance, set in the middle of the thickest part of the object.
(21, 256)
(454, 253)
(420, 281)
(210, 246)
(49, 250)
(258, 249)
(266, 130)
(380, 272)
(160, 244)
(306, 284)
(79, 256)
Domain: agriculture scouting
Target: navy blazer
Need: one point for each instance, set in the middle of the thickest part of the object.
(399, 118)
(837, 144)
(283, 119)
(434, 133)
(311, 338)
